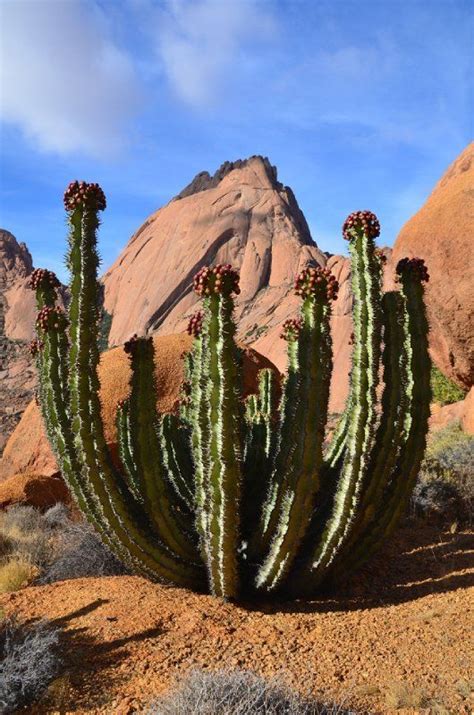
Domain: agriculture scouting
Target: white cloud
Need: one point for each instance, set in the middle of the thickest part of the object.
(62, 80)
(202, 44)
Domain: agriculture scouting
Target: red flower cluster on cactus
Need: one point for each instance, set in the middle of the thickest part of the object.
(42, 278)
(415, 267)
(51, 318)
(195, 324)
(291, 329)
(361, 220)
(318, 282)
(35, 347)
(219, 279)
(80, 193)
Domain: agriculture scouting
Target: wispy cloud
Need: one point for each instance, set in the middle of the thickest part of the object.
(202, 44)
(63, 80)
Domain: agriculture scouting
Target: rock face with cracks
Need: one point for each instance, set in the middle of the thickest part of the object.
(17, 319)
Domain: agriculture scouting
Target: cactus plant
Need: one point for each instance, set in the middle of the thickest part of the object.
(241, 497)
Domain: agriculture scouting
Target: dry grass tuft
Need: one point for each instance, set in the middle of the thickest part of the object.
(400, 695)
(49, 547)
(16, 573)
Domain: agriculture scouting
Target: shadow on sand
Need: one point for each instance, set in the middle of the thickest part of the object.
(419, 560)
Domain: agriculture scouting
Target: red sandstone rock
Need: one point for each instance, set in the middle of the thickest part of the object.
(242, 216)
(247, 218)
(442, 233)
(35, 490)
(28, 450)
(467, 419)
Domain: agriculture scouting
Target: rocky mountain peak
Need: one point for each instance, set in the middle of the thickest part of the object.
(204, 181)
(241, 215)
(15, 259)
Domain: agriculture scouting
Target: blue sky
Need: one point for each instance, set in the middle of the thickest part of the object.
(360, 104)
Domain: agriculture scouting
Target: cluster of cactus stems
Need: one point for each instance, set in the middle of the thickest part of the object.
(232, 496)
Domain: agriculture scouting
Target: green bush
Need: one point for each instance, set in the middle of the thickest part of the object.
(445, 391)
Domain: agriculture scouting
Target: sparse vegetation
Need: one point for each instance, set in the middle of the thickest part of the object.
(49, 547)
(237, 692)
(445, 391)
(24, 546)
(78, 552)
(400, 695)
(29, 660)
(445, 486)
(16, 573)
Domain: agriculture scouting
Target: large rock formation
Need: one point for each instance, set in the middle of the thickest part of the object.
(442, 232)
(17, 300)
(28, 451)
(242, 215)
(17, 377)
(17, 328)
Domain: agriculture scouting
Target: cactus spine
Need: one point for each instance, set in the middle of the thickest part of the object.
(240, 495)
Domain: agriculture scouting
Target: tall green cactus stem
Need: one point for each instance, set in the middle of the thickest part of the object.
(125, 448)
(261, 539)
(390, 432)
(195, 411)
(360, 229)
(300, 466)
(237, 491)
(174, 440)
(259, 446)
(111, 505)
(412, 274)
(146, 450)
(52, 366)
(222, 478)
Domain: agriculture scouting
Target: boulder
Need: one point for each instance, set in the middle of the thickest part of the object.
(28, 449)
(36, 490)
(467, 418)
(442, 233)
(444, 415)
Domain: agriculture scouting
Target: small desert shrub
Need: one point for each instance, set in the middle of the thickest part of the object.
(238, 692)
(25, 546)
(445, 486)
(49, 547)
(78, 552)
(29, 661)
(444, 390)
(24, 534)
